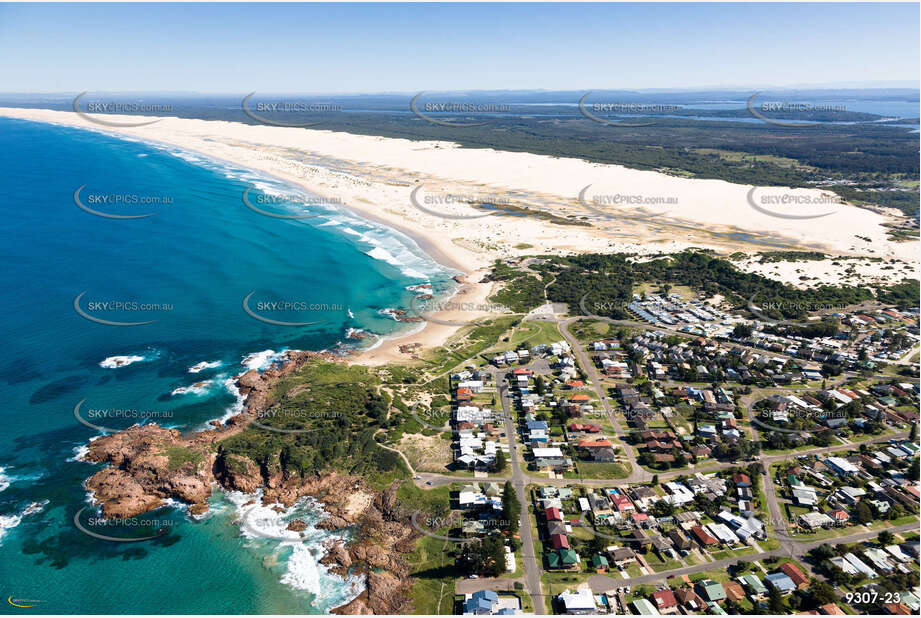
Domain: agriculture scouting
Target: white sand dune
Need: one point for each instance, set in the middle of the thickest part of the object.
(375, 176)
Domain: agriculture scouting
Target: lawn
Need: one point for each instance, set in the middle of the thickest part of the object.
(666, 566)
(601, 470)
(434, 574)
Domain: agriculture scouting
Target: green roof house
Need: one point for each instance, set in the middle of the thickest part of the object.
(562, 559)
(710, 590)
(599, 562)
(756, 589)
(645, 608)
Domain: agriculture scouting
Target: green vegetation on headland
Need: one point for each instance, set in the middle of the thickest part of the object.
(326, 415)
(521, 292)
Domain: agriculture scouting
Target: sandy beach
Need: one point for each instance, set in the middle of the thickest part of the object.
(611, 208)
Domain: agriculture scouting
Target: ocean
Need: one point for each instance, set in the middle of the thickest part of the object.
(213, 285)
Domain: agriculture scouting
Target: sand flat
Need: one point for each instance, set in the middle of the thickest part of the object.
(374, 176)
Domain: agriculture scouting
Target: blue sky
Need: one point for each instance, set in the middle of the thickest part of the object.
(410, 47)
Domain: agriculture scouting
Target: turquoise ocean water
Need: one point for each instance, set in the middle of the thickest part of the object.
(186, 270)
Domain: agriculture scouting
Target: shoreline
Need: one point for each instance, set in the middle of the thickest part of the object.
(124, 487)
(386, 349)
(371, 178)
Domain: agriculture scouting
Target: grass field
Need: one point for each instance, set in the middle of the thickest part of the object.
(434, 573)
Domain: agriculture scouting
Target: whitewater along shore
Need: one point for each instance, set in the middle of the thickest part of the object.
(142, 474)
(375, 177)
(554, 205)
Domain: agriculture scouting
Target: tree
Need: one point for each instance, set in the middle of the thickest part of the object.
(913, 433)
(822, 552)
(885, 538)
(821, 593)
(863, 512)
(539, 386)
(775, 602)
(511, 508)
(501, 462)
(741, 331)
(486, 556)
(655, 480)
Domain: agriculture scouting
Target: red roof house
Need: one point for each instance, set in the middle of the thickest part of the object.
(559, 541)
(793, 572)
(664, 599)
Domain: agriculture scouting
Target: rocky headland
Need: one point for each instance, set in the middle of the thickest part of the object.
(149, 464)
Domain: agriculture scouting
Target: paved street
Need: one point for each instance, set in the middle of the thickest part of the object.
(601, 583)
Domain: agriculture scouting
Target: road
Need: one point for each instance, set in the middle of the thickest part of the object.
(637, 473)
(532, 569)
(789, 548)
(600, 583)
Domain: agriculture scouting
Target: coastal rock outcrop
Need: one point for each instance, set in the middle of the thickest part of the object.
(149, 464)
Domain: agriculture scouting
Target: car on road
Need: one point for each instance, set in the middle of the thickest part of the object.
(428, 482)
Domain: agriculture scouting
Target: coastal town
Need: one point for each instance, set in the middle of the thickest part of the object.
(689, 459)
(461, 308)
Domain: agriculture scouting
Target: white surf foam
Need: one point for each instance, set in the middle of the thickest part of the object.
(262, 360)
(82, 450)
(8, 522)
(199, 367)
(114, 362)
(199, 388)
(303, 570)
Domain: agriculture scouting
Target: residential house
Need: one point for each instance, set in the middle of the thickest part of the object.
(710, 590)
(690, 600)
(780, 582)
(757, 591)
(665, 601)
(579, 603)
(795, 574)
